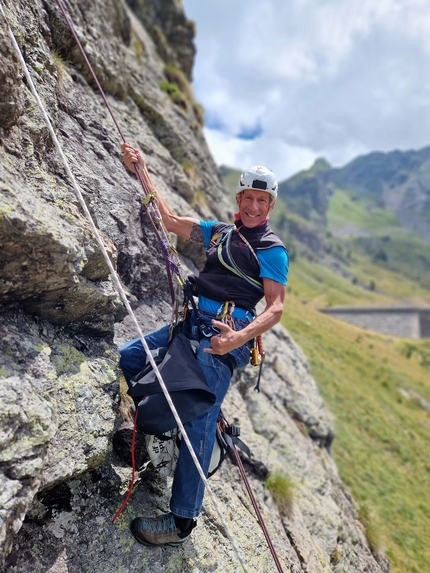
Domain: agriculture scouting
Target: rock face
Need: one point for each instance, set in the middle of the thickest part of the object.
(61, 320)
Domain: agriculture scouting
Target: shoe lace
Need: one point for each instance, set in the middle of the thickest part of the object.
(162, 524)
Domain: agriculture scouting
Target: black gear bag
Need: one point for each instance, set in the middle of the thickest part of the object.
(185, 382)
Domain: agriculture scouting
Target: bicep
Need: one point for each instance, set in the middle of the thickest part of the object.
(187, 228)
(274, 293)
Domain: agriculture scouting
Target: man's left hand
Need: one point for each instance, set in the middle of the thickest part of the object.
(225, 341)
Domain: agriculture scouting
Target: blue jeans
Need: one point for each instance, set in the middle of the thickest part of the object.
(188, 488)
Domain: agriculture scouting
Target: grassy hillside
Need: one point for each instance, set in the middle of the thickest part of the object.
(375, 235)
(348, 213)
(368, 284)
(378, 389)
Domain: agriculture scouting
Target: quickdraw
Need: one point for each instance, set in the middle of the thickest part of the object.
(257, 357)
(149, 198)
(226, 315)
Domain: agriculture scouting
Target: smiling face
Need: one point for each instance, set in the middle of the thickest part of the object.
(254, 206)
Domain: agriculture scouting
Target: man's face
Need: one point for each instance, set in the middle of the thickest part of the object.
(254, 206)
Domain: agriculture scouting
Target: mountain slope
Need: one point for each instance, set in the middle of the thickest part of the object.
(399, 181)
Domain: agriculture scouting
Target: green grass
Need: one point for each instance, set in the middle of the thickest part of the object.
(372, 527)
(401, 253)
(345, 209)
(321, 286)
(175, 94)
(281, 489)
(377, 387)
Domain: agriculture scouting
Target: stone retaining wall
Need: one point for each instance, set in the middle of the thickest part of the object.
(406, 322)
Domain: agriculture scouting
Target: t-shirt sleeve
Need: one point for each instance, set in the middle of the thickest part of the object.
(274, 263)
(206, 227)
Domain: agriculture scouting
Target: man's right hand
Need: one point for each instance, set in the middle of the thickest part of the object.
(186, 227)
(131, 156)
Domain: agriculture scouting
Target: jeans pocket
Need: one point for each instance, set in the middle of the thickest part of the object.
(241, 355)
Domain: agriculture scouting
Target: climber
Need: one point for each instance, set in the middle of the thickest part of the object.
(245, 262)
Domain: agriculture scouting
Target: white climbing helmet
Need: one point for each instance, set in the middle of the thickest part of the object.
(258, 178)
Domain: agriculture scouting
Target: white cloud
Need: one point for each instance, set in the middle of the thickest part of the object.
(328, 78)
(283, 159)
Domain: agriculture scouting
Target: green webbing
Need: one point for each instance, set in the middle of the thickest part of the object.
(233, 266)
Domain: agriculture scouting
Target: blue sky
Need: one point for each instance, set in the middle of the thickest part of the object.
(286, 81)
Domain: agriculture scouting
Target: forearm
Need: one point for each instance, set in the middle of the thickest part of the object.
(274, 293)
(230, 339)
(169, 218)
(181, 226)
(261, 324)
(186, 227)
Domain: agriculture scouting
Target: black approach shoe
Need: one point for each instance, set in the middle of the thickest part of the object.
(161, 530)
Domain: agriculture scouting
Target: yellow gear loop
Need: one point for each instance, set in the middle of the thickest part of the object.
(149, 198)
(226, 316)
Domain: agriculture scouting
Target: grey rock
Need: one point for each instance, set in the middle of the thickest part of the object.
(171, 31)
(58, 399)
(11, 101)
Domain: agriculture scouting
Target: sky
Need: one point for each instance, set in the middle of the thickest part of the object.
(284, 82)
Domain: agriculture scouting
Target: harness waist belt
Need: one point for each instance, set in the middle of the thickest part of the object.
(216, 307)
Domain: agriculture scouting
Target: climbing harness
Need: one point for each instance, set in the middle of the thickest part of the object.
(171, 265)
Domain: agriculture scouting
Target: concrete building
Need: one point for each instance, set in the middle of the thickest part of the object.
(406, 322)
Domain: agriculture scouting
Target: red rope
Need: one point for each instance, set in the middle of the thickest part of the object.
(260, 347)
(145, 188)
(257, 510)
(133, 467)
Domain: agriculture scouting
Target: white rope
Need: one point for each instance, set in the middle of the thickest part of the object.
(120, 288)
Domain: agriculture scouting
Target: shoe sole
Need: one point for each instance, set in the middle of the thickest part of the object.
(149, 544)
